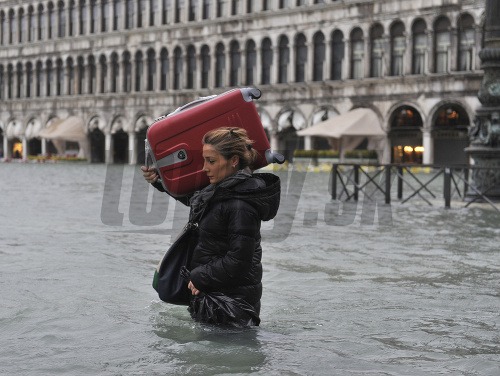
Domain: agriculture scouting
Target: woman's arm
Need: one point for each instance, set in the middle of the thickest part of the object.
(151, 176)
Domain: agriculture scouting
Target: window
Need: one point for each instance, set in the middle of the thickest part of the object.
(104, 73)
(234, 64)
(115, 72)
(41, 22)
(300, 58)
(104, 15)
(31, 25)
(251, 62)
(81, 75)
(10, 73)
(206, 10)
(283, 60)
(49, 77)
(20, 77)
(83, 17)
(39, 79)
(265, 4)
(29, 80)
(235, 7)
(51, 18)
(442, 42)
(92, 75)
(191, 67)
(127, 72)
(151, 70)
(466, 37)
(193, 5)
(177, 11)
(266, 62)
(93, 16)
(61, 18)
(337, 50)
(72, 19)
(319, 56)
(153, 9)
(22, 26)
(139, 69)
(11, 26)
(71, 76)
(220, 65)
(419, 47)
(141, 11)
(2, 82)
(220, 9)
(177, 68)
(377, 51)
(249, 6)
(59, 77)
(357, 53)
(164, 69)
(3, 28)
(283, 4)
(129, 14)
(117, 10)
(164, 11)
(398, 46)
(205, 66)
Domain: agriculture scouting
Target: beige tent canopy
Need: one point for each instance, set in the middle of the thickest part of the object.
(351, 129)
(70, 129)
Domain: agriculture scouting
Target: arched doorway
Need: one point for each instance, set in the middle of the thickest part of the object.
(16, 148)
(449, 132)
(323, 143)
(406, 135)
(120, 147)
(97, 146)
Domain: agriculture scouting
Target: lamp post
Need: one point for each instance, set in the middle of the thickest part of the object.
(484, 133)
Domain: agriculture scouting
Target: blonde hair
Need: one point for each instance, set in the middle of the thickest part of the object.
(229, 141)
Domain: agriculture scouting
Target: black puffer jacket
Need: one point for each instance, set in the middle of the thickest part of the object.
(228, 255)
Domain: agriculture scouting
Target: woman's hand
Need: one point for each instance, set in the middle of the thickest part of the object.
(193, 289)
(150, 174)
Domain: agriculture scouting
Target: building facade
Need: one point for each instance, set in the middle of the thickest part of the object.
(116, 65)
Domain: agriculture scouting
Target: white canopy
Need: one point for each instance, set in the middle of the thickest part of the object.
(351, 129)
(358, 122)
(70, 129)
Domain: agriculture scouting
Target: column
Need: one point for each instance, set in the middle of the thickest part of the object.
(428, 157)
(44, 146)
(327, 66)
(275, 65)
(407, 57)
(132, 150)
(6, 151)
(308, 67)
(346, 62)
(453, 51)
(24, 142)
(429, 54)
(108, 148)
(290, 72)
(307, 142)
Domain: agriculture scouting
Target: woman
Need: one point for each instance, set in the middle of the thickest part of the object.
(226, 260)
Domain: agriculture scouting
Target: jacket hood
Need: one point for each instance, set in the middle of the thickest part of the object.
(261, 190)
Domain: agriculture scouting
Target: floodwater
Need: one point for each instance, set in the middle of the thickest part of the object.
(406, 289)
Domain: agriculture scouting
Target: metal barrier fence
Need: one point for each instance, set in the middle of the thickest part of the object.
(346, 183)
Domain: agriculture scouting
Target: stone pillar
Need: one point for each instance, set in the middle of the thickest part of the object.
(108, 148)
(24, 142)
(132, 150)
(428, 144)
(6, 151)
(484, 133)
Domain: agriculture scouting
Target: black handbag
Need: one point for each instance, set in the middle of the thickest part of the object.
(168, 281)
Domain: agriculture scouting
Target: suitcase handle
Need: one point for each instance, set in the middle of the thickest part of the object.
(274, 157)
(248, 93)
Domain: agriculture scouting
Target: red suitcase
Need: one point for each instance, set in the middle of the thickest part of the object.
(173, 142)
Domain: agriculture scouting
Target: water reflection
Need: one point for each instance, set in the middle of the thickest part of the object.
(201, 349)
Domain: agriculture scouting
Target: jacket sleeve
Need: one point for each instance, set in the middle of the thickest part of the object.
(243, 230)
(183, 200)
